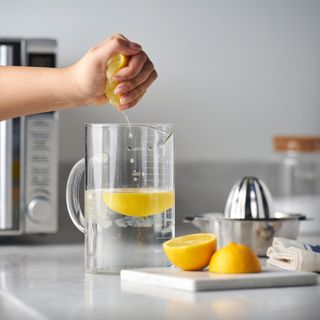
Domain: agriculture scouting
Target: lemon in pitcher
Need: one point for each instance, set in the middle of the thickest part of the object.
(116, 63)
(138, 202)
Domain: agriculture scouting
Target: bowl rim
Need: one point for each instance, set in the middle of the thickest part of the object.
(279, 216)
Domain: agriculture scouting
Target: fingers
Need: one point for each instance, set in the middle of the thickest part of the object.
(131, 104)
(126, 86)
(133, 68)
(116, 44)
(129, 99)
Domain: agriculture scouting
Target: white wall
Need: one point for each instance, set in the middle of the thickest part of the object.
(231, 73)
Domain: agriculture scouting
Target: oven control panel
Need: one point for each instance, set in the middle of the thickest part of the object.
(41, 172)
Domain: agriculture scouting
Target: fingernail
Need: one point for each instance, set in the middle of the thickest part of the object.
(120, 89)
(134, 45)
(125, 99)
(122, 108)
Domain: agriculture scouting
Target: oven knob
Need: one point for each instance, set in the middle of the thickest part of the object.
(39, 209)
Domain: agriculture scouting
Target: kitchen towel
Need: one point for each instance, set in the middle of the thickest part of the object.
(293, 255)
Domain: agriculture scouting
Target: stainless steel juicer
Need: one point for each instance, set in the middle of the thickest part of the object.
(249, 218)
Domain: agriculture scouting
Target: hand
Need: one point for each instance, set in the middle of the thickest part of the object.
(89, 74)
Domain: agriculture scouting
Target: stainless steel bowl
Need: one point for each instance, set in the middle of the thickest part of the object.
(256, 233)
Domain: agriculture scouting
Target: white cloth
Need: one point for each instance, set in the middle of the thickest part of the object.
(293, 255)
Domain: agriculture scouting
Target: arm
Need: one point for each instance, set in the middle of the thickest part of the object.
(27, 90)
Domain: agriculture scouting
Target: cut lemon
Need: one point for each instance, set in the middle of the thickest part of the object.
(234, 258)
(138, 202)
(114, 64)
(191, 252)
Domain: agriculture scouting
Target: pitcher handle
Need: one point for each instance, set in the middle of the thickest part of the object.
(72, 195)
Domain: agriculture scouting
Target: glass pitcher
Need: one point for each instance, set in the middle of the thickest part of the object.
(128, 198)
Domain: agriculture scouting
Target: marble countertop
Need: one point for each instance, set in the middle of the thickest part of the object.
(48, 282)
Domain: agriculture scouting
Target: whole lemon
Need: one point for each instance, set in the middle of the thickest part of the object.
(234, 258)
(191, 252)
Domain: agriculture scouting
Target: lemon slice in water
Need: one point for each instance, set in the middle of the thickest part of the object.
(114, 64)
(139, 202)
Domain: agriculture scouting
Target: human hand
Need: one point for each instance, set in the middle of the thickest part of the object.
(88, 75)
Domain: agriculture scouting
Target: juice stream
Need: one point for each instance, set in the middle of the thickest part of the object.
(128, 122)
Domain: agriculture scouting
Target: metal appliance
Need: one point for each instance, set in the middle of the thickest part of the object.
(28, 152)
(249, 218)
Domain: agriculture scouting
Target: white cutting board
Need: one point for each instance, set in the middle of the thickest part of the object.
(203, 280)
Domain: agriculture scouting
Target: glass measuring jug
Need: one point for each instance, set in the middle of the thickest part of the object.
(128, 197)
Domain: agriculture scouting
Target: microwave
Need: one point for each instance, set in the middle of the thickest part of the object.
(29, 152)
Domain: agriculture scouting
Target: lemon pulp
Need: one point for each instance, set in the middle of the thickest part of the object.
(138, 202)
(114, 64)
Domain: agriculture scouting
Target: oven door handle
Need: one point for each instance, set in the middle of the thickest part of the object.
(6, 127)
(6, 212)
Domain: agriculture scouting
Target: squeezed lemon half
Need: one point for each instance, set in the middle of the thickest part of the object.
(234, 258)
(114, 64)
(191, 252)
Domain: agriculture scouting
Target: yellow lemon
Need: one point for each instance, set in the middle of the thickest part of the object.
(234, 258)
(191, 252)
(138, 202)
(114, 64)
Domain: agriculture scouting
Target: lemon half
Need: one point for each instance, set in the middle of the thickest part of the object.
(138, 202)
(191, 252)
(114, 64)
(234, 258)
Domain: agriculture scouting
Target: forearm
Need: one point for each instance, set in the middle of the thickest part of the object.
(26, 90)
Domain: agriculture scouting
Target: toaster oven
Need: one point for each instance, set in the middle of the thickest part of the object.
(28, 152)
